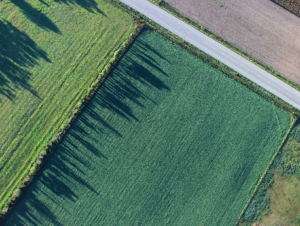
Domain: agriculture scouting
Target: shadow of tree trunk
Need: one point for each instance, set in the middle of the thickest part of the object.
(36, 16)
(89, 5)
(17, 53)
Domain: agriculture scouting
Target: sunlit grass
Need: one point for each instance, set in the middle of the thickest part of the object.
(51, 51)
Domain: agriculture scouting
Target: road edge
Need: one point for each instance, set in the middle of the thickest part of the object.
(168, 8)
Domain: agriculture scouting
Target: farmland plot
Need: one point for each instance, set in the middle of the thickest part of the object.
(50, 53)
(167, 140)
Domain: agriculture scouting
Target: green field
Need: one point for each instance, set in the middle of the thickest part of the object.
(168, 140)
(50, 52)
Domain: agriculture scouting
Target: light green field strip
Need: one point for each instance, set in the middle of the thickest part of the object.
(167, 140)
(68, 51)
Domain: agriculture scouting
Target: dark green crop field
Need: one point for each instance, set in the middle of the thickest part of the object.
(50, 53)
(167, 140)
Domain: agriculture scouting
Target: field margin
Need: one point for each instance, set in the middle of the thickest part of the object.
(295, 118)
(66, 126)
(206, 57)
(165, 6)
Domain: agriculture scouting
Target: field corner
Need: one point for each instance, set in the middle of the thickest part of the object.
(294, 120)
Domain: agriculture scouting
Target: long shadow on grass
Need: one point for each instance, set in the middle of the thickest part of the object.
(89, 5)
(62, 174)
(45, 3)
(17, 53)
(80, 150)
(124, 86)
(36, 16)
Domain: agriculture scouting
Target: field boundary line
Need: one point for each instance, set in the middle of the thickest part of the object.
(47, 152)
(295, 118)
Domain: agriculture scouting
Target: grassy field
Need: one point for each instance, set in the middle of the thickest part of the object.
(50, 52)
(168, 140)
(291, 5)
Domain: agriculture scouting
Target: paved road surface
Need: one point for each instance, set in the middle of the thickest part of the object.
(218, 51)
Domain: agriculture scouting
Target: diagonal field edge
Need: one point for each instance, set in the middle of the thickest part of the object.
(218, 51)
(295, 118)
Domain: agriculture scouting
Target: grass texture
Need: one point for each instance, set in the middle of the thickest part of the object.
(50, 52)
(282, 171)
(167, 140)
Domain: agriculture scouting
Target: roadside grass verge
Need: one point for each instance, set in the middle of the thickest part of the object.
(164, 5)
(168, 139)
(212, 61)
(51, 52)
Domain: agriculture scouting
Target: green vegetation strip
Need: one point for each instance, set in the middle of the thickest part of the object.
(168, 139)
(51, 52)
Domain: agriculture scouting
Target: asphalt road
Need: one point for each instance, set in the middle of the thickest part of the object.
(217, 50)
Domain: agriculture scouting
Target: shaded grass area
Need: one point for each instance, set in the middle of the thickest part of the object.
(167, 140)
(17, 52)
(50, 53)
(291, 5)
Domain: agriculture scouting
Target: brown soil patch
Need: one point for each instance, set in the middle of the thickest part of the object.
(261, 28)
(292, 5)
(285, 202)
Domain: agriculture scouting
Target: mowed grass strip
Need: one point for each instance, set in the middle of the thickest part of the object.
(50, 52)
(167, 140)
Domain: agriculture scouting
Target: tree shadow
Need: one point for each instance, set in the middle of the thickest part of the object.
(89, 5)
(45, 3)
(124, 83)
(36, 16)
(72, 162)
(17, 53)
(30, 219)
(58, 178)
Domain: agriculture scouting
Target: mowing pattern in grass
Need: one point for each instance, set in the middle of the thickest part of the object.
(50, 52)
(168, 140)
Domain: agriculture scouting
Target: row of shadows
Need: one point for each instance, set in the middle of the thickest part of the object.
(121, 87)
(19, 52)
